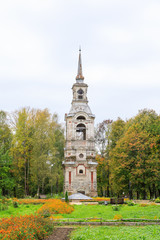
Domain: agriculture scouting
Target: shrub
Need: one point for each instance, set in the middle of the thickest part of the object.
(143, 205)
(117, 217)
(45, 213)
(55, 218)
(130, 203)
(4, 202)
(101, 202)
(116, 208)
(157, 200)
(153, 204)
(66, 197)
(15, 204)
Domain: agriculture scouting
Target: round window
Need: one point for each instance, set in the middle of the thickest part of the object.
(81, 155)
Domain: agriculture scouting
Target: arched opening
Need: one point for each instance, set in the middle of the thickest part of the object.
(81, 171)
(81, 132)
(80, 94)
(81, 118)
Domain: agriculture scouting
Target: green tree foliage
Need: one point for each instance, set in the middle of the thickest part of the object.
(6, 178)
(134, 160)
(117, 130)
(37, 150)
(103, 144)
(22, 145)
(48, 144)
(130, 164)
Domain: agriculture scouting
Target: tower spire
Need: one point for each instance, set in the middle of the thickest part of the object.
(79, 77)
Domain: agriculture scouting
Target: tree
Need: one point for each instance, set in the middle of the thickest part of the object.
(102, 142)
(22, 145)
(101, 136)
(37, 150)
(6, 179)
(47, 155)
(134, 161)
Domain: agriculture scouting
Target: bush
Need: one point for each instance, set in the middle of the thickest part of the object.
(101, 202)
(66, 197)
(15, 204)
(117, 217)
(153, 204)
(45, 213)
(130, 203)
(143, 205)
(4, 202)
(116, 208)
(157, 200)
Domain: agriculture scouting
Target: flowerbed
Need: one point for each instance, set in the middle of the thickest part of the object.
(100, 199)
(31, 201)
(55, 206)
(25, 228)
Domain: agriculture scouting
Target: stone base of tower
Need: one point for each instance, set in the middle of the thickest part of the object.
(80, 178)
(90, 194)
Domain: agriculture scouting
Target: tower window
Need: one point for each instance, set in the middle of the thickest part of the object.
(81, 155)
(80, 94)
(81, 118)
(80, 171)
(81, 132)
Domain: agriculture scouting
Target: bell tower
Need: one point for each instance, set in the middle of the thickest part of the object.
(80, 175)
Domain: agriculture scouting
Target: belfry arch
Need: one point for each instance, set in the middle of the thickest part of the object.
(81, 132)
(81, 117)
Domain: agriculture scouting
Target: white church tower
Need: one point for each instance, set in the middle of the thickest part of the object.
(80, 175)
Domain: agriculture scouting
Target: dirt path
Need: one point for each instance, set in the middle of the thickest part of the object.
(60, 233)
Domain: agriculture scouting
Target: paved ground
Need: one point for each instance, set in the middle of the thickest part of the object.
(60, 233)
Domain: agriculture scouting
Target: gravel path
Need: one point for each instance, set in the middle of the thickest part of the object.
(60, 233)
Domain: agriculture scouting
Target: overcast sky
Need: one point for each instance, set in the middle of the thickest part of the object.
(120, 41)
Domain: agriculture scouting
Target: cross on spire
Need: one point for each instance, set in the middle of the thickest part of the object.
(79, 77)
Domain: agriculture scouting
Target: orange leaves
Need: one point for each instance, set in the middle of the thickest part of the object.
(56, 206)
(25, 227)
(100, 160)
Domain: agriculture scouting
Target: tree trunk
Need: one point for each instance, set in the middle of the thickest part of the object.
(154, 191)
(25, 179)
(130, 190)
(158, 192)
(28, 178)
(137, 194)
(38, 191)
(43, 180)
(108, 182)
(57, 185)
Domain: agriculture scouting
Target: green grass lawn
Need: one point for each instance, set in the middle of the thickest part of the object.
(117, 233)
(21, 210)
(107, 212)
